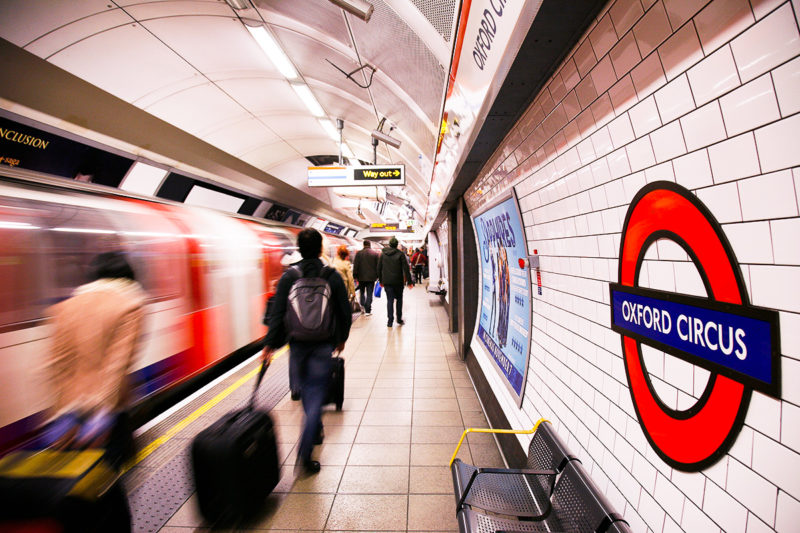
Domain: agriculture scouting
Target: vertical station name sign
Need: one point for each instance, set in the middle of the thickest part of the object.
(351, 176)
(505, 314)
(723, 333)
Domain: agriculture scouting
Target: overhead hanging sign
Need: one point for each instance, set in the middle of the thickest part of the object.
(392, 227)
(347, 176)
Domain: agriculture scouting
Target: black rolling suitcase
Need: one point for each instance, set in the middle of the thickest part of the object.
(336, 387)
(235, 463)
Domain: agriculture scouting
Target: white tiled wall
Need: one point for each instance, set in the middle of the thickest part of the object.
(705, 94)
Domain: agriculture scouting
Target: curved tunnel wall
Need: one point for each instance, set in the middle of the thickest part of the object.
(703, 95)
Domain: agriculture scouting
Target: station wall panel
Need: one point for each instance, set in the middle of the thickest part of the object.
(703, 94)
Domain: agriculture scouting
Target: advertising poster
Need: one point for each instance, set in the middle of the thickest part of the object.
(505, 312)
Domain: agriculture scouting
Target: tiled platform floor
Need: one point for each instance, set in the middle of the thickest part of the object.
(384, 459)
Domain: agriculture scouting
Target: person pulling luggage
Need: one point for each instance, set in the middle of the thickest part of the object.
(312, 313)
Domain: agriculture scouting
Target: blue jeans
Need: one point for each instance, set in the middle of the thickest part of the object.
(365, 291)
(314, 363)
(394, 293)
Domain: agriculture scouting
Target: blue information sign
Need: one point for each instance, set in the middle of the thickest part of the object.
(733, 340)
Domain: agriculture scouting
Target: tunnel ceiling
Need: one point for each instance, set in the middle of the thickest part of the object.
(193, 64)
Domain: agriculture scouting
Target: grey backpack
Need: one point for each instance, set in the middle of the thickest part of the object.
(309, 310)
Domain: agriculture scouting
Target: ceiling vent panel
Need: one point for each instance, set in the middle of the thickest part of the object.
(389, 42)
(441, 14)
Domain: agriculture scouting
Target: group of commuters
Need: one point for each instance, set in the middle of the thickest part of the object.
(97, 330)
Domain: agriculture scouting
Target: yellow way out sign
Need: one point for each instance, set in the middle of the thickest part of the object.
(347, 176)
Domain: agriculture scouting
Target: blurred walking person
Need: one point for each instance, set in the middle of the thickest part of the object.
(418, 261)
(394, 274)
(365, 270)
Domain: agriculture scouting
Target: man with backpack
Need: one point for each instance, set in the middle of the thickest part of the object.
(312, 313)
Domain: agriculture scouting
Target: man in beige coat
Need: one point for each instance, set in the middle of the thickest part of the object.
(95, 336)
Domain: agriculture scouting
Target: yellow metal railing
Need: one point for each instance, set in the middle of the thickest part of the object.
(505, 431)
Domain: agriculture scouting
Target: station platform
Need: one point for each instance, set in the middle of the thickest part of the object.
(385, 455)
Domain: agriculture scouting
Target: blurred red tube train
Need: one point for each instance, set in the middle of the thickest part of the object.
(207, 275)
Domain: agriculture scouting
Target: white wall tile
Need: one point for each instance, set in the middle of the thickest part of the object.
(688, 281)
(790, 375)
(752, 490)
(761, 8)
(779, 144)
(674, 99)
(764, 415)
(750, 106)
(586, 151)
(790, 426)
(788, 514)
(703, 127)
(601, 141)
(696, 520)
(669, 497)
(768, 196)
(650, 511)
(680, 51)
(742, 448)
(668, 142)
(640, 154)
(600, 171)
(615, 193)
(713, 76)
(644, 117)
(751, 241)
(621, 130)
(678, 373)
(693, 170)
(773, 40)
(790, 335)
(776, 286)
(692, 484)
(633, 183)
(777, 463)
(644, 472)
(734, 159)
(723, 201)
(787, 86)
(724, 510)
(662, 172)
(671, 526)
(618, 163)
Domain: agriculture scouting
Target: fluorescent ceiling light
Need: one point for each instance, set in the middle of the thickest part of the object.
(274, 52)
(347, 152)
(308, 99)
(330, 129)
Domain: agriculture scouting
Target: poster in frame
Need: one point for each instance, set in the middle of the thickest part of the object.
(504, 316)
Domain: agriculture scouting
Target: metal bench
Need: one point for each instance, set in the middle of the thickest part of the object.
(552, 494)
(523, 491)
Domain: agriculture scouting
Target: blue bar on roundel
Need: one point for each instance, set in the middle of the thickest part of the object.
(711, 334)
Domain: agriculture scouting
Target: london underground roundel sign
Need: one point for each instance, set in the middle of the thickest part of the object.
(723, 333)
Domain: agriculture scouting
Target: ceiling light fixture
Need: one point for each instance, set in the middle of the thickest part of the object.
(238, 4)
(359, 8)
(308, 99)
(274, 52)
(330, 129)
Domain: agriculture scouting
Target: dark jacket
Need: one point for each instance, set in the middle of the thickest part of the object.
(276, 336)
(365, 266)
(393, 268)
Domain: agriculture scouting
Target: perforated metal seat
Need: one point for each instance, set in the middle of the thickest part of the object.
(515, 492)
(576, 507)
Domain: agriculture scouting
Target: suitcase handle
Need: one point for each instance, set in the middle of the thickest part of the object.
(261, 372)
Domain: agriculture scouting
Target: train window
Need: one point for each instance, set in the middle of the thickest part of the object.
(20, 264)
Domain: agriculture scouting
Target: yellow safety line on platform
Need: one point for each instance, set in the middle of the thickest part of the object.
(505, 431)
(153, 446)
